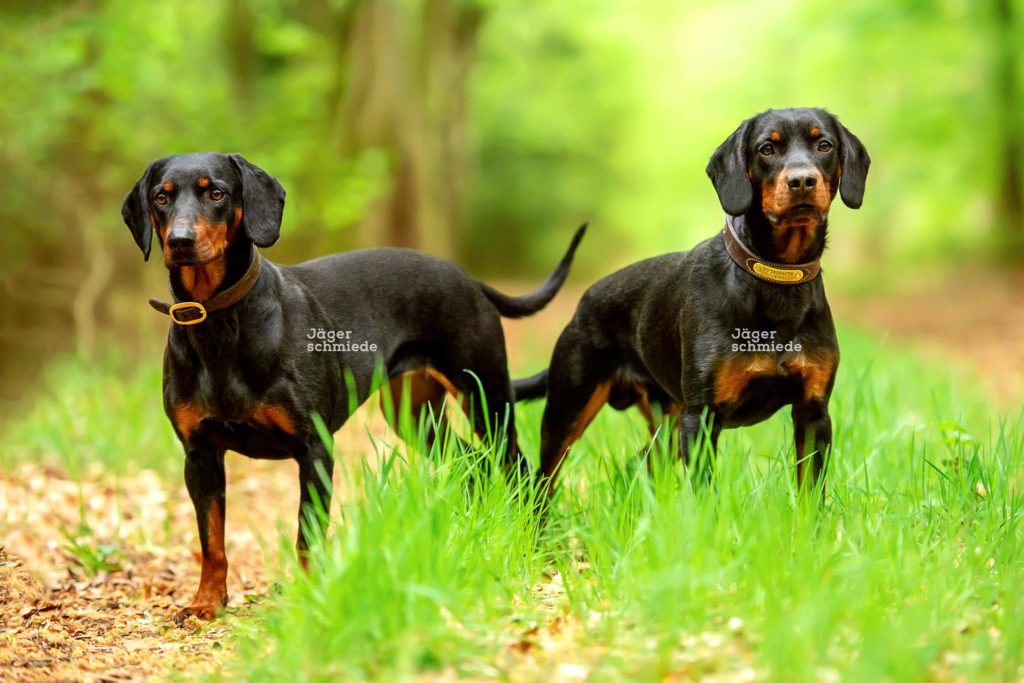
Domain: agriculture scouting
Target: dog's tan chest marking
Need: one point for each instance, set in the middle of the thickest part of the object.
(813, 369)
(274, 417)
(187, 417)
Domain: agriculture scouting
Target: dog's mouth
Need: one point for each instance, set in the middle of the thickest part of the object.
(186, 259)
(799, 213)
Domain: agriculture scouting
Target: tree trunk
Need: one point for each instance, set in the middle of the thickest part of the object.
(241, 40)
(447, 49)
(407, 76)
(1011, 201)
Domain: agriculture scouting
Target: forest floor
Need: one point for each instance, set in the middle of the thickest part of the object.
(92, 569)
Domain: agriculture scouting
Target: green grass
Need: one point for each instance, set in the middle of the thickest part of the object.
(106, 411)
(92, 556)
(910, 571)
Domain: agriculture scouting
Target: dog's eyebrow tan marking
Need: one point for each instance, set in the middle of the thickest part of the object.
(815, 131)
(775, 136)
(203, 181)
(168, 186)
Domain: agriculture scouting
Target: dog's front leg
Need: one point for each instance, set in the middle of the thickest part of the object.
(316, 468)
(205, 480)
(697, 429)
(812, 429)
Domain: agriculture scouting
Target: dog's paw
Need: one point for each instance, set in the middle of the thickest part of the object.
(202, 612)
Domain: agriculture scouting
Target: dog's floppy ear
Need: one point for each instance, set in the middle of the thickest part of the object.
(262, 202)
(855, 161)
(135, 211)
(728, 172)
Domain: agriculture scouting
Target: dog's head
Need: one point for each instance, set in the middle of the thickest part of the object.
(792, 161)
(198, 204)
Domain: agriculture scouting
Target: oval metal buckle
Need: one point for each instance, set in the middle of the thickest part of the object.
(186, 305)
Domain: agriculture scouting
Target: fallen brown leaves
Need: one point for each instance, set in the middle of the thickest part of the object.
(561, 644)
(64, 619)
(99, 629)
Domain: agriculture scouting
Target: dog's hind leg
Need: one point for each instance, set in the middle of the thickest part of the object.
(580, 383)
(473, 365)
(488, 401)
(423, 395)
(660, 414)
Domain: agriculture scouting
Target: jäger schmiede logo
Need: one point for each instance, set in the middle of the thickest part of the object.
(336, 341)
(761, 341)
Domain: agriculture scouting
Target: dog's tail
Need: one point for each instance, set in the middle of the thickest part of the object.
(528, 304)
(531, 388)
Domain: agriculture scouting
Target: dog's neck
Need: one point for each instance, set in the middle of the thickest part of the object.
(201, 283)
(779, 243)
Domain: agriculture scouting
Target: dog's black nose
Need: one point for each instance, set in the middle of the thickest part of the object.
(181, 240)
(802, 180)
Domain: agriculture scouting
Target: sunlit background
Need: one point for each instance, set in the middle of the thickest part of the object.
(485, 131)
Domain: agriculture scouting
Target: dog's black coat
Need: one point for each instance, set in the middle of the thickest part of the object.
(659, 333)
(246, 378)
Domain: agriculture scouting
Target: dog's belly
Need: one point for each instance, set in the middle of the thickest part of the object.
(249, 439)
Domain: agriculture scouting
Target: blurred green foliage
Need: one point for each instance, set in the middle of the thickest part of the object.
(611, 110)
(108, 86)
(597, 109)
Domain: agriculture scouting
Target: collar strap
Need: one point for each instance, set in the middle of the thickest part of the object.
(776, 273)
(193, 312)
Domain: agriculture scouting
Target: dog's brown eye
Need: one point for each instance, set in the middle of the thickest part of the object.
(767, 149)
(824, 146)
(216, 195)
(161, 199)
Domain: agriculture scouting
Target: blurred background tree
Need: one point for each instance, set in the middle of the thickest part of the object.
(484, 131)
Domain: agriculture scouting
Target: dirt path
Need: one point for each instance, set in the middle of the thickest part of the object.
(92, 570)
(974, 318)
(102, 611)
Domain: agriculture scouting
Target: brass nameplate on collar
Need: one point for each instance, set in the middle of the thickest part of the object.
(777, 274)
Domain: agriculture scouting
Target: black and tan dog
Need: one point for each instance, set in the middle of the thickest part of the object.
(257, 348)
(726, 334)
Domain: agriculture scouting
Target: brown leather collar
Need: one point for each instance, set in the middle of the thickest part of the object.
(776, 273)
(193, 312)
